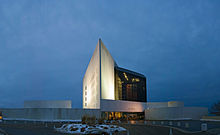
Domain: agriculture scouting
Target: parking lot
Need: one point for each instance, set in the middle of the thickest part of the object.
(179, 127)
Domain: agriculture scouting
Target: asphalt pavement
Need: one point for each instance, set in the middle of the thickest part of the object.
(48, 129)
(30, 129)
(136, 129)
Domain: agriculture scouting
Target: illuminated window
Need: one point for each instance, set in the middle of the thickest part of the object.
(135, 80)
(126, 77)
(129, 86)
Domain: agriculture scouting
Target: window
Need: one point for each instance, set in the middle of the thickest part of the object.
(129, 86)
(85, 104)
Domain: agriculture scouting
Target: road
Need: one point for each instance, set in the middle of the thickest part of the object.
(155, 130)
(134, 129)
(30, 129)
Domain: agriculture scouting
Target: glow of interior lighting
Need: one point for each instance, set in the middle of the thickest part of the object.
(126, 77)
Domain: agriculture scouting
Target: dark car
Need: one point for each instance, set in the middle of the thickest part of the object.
(1, 117)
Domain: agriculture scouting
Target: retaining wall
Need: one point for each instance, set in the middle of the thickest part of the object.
(49, 113)
(172, 113)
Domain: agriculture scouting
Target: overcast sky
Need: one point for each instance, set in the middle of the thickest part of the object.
(46, 45)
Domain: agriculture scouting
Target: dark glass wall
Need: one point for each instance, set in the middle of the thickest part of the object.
(129, 85)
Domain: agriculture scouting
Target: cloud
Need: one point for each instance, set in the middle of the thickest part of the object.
(45, 47)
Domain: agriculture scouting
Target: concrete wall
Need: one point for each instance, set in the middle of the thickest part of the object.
(132, 106)
(50, 113)
(171, 113)
(122, 106)
(107, 73)
(164, 104)
(15, 113)
(153, 111)
(48, 104)
(175, 104)
(156, 104)
(91, 82)
(99, 78)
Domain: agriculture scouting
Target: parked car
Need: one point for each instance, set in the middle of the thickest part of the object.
(1, 117)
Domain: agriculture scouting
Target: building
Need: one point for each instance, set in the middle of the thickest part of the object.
(121, 94)
(104, 80)
(110, 92)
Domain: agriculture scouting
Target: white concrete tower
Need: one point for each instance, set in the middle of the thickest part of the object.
(98, 81)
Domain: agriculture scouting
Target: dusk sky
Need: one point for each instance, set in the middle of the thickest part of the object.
(46, 45)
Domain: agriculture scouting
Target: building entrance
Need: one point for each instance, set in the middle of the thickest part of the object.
(123, 115)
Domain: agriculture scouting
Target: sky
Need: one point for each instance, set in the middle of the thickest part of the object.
(46, 45)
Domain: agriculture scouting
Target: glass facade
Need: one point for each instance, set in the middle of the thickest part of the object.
(123, 115)
(129, 85)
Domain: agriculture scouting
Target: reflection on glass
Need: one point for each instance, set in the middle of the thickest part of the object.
(129, 85)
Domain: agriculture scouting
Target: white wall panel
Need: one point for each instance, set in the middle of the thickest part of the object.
(122, 106)
(48, 104)
(99, 78)
(107, 74)
(174, 113)
(91, 82)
